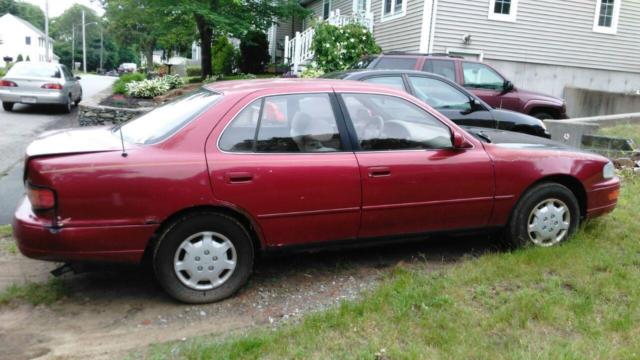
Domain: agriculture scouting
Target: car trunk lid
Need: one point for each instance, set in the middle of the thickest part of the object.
(75, 141)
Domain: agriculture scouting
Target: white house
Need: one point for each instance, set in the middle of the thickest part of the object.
(19, 37)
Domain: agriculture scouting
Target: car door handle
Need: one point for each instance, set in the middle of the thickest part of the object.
(379, 171)
(238, 177)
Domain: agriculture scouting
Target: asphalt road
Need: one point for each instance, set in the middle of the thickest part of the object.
(20, 127)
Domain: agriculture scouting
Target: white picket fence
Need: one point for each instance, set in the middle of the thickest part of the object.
(297, 50)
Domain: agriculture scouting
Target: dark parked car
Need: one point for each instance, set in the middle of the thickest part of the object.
(452, 100)
(480, 78)
(207, 182)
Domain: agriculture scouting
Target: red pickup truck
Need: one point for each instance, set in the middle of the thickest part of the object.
(480, 78)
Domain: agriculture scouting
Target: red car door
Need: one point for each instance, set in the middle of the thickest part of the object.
(413, 181)
(283, 161)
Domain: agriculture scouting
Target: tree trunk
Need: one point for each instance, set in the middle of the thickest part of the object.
(148, 53)
(206, 34)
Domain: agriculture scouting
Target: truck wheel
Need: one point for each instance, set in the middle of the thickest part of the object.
(542, 115)
(203, 258)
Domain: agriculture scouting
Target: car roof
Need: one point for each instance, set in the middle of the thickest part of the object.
(284, 85)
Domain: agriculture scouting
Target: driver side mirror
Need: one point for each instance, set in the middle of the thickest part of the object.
(459, 141)
(507, 87)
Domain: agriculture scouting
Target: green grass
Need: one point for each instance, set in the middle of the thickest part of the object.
(580, 300)
(627, 131)
(34, 293)
(5, 231)
(7, 244)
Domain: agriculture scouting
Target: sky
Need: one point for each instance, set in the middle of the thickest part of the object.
(57, 7)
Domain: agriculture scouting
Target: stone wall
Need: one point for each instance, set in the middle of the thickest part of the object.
(585, 102)
(571, 131)
(91, 113)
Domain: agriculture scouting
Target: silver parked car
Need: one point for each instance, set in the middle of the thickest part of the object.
(40, 83)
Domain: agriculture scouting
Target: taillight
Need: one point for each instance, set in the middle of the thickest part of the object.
(7, 83)
(41, 198)
(52, 86)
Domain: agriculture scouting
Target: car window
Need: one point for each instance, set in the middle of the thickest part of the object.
(385, 122)
(35, 70)
(439, 94)
(392, 81)
(164, 121)
(284, 124)
(396, 63)
(481, 76)
(67, 74)
(446, 68)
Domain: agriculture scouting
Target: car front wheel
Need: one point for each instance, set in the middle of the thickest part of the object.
(546, 215)
(7, 106)
(203, 258)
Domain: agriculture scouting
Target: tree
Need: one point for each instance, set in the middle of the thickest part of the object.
(254, 51)
(147, 24)
(232, 17)
(23, 10)
(20, 58)
(61, 30)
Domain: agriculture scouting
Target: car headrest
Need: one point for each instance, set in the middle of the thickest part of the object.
(303, 125)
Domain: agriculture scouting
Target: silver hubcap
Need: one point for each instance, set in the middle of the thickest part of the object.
(549, 222)
(205, 260)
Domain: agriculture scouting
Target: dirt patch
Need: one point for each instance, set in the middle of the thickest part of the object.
(113, 311)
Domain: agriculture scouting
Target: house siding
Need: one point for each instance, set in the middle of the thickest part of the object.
(402, 33)
(545, 32)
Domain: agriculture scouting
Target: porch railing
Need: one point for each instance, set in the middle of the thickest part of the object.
(298, 51)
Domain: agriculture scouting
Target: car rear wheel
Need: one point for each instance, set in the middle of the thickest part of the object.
(203, 258)
(78, 99)
(7, 106)
(67, 105)
(546, 215)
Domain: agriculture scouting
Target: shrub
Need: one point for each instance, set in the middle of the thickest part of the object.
(338, 48)
(153, 87)
(20, 58)
(223, 56)
(147, 88)
(120, 86)
(173, 81)
(254, 52)
(312, 72)
(194, 71)
(3, 72)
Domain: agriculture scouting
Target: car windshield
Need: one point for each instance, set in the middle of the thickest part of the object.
(34, 70)
(364, 62)
(165, 120)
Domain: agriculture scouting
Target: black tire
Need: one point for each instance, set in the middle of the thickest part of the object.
(78, 100)
(517, 231)
(543, 115)
(66, 107)
(175, 234)
(7, 106)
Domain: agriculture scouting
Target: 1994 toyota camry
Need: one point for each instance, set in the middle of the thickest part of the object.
(203, 184)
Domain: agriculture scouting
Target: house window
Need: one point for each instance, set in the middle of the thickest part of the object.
(392, 9)
(606, 16)
(326, 9)
(503, 10)
(27, 40)
(361, 6)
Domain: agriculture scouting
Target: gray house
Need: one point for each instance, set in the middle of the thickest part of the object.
(542, 45)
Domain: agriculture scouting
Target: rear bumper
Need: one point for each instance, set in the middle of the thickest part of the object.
(37, 240)
(603, 198)
(52, 97)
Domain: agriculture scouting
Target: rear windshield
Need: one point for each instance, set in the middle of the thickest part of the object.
(396, 63)
(364, 62)
(34, 70)
(165, 120)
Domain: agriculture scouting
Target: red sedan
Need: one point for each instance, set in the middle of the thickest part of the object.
(204, 183)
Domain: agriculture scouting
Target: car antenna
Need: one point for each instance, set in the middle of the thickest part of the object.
(124, 152)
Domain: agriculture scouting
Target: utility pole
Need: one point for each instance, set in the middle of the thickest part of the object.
(101, 47)
(73, 47)
(84, 46)
(47, 43)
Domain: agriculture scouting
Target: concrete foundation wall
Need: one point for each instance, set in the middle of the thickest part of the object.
(584, 103)
(553, 79)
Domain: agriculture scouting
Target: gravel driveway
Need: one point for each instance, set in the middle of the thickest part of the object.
(113, 312)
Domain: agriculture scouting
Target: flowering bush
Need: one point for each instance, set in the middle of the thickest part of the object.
(154, 87)
(312, 71)
(338, 48)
